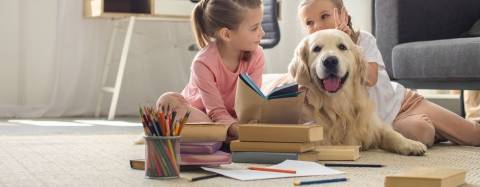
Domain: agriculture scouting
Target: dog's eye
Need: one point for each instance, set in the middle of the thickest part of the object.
(317, 49)
(342, 47)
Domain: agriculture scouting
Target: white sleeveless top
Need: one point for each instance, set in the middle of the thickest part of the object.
(387, 95)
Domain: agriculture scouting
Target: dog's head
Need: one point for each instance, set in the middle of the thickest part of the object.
(328, 60)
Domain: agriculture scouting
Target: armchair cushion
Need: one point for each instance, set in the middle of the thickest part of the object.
(448, 59)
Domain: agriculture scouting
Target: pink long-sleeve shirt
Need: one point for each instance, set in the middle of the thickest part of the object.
(212, 87)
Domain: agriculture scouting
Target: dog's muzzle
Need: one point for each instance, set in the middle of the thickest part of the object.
(332, 83)
(329, 79)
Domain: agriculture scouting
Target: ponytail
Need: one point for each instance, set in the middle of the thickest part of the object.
(198, 24)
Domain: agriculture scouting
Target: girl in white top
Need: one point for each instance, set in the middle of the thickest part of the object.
(409, 113)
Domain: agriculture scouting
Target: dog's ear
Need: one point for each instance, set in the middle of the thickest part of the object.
(361, 65)
(299, 63)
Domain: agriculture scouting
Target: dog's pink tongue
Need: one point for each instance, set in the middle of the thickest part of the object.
(331, 84)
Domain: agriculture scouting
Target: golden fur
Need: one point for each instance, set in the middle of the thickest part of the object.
(348, 115)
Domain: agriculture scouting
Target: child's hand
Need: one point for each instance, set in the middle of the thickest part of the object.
(233, 131)
(341, 20)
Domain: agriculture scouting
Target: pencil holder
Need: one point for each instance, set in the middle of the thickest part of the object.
(162, 155)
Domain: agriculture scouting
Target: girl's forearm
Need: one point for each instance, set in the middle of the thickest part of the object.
(372, 74)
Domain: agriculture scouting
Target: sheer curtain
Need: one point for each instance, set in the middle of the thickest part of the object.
(53, 60)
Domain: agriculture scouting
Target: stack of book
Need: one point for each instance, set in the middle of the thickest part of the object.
(200, 145)
(275, 143)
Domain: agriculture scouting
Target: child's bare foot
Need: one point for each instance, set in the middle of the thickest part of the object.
(140, 140)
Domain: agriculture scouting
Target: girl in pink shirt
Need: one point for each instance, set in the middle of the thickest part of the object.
(229, 33)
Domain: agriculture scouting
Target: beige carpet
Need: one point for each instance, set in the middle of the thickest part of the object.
(102, 160)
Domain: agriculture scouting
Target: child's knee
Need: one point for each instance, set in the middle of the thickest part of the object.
(171, 94)
(172, 98)
(417, 127)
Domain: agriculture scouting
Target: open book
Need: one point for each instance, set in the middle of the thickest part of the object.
(287, 90)
(282, 105)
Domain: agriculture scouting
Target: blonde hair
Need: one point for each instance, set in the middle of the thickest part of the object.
(339, 5)
(209, 16)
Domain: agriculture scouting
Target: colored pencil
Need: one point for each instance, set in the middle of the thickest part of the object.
(353, 165)
(322, 181)
(209, 176)
(161, 156)
(273, 170)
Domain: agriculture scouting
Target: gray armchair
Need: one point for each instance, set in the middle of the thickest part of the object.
(421, 45)
(419, 42)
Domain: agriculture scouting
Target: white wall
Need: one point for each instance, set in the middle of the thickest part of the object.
(361, 12)
(278, 58)
(29, 42)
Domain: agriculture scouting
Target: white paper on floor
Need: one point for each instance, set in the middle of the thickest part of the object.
(302, 168)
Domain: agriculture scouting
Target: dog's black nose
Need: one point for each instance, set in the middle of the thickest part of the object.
(331, 62)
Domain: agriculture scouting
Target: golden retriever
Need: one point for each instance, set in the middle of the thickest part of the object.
(331, 68)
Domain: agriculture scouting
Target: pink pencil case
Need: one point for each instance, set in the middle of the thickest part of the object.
(217, 158)
(200, 147)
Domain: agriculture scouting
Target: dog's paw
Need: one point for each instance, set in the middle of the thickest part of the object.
(412, 148)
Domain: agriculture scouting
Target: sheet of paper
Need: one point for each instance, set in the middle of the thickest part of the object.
(303, 169)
